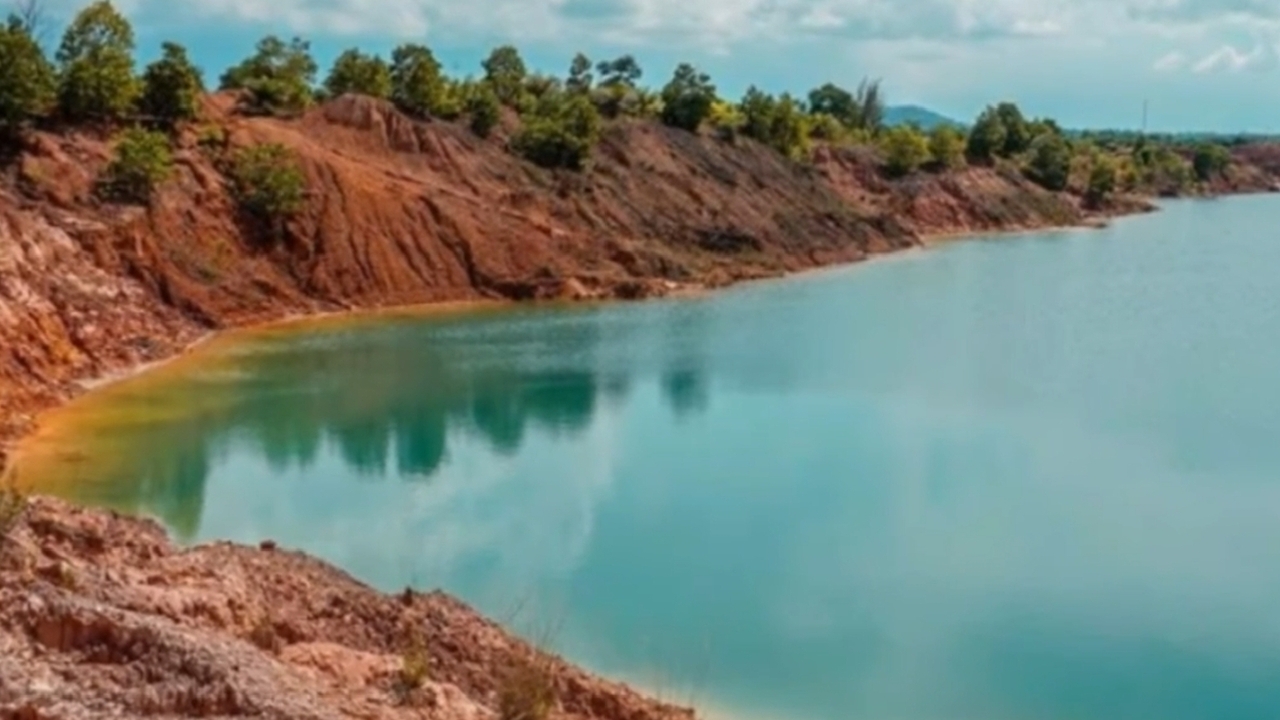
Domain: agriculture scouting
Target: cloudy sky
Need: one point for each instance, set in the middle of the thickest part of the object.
(1201, 64)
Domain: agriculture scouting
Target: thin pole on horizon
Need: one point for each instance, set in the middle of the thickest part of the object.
(1144, 116)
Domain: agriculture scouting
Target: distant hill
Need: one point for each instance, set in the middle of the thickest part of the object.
(916, 115)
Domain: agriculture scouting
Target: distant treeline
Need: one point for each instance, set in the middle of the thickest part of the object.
(553, 121)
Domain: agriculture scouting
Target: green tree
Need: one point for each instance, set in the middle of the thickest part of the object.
(687, 99)
(559, 132)
(142, 161)
(505, 71)
(172, 86)
(356, 72)
(537, 85)
(279, 76)
(416, 83)
(1041, 126)
(1102, 180)
(777, 122)
(1165, 171)
(616, 92)
(1017, 131)
(268, 183)
(28, 85)
(624, 71)
(905, 149)
(580, 79)
(987, 137)
(946, 146)
(1050, 163)
(484, 110)
(95, 61)
(1209, 160)
(834, 101)
(643, 103)
(452, 100)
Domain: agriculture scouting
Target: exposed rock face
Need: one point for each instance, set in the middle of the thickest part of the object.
(101, 616)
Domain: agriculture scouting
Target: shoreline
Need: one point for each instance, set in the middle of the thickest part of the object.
(11, 448)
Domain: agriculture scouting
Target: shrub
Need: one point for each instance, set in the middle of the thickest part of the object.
(213, 138)
(415, 666)
(416, 83)
(268, 183)
(142, 161)
(483, 109)
(826, 127)
(278, 77)
(946, 147)
(95, 61)
(559, 133)
(537, 86)
(1102, 180)
(645, 104)
(1166, 171)
(1050, 163)
(355, 72)
(1126, 174)
(526, 691)
(687, 99)
(171, 87)
(264, 635)
(28, 86)
(1209, 160)
(726, 120)
(905, 150)
(13, 503)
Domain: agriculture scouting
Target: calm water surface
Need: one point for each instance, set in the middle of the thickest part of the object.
(1029, 478)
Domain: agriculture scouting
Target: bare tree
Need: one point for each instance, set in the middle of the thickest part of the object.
(31, 15)
(870, 101)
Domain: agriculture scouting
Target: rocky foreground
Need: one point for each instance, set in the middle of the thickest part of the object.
(101, 616)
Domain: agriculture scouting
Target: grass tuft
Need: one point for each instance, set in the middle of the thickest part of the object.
(527, 690)
(13, 503)
(415, 667)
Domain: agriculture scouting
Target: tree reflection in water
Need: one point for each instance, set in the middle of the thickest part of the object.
(384, 396)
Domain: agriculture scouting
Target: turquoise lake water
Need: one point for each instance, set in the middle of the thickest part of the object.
(1034, 477)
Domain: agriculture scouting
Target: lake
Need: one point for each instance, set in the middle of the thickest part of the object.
(1033, 477)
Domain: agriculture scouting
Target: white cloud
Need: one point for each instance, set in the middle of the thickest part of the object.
(1228, 59)
(725, 22)
(1170, 62)
(658, 20)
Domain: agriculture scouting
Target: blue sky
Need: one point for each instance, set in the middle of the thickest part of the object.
(1202, 64)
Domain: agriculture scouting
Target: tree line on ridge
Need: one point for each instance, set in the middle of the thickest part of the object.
(91, 80)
